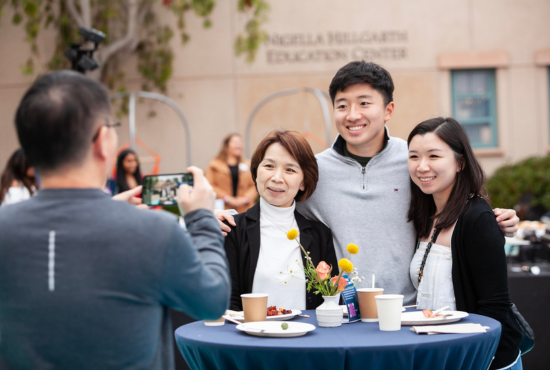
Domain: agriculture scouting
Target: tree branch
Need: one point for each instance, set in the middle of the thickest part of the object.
(86, 12)
(74, 13)
(127, 40)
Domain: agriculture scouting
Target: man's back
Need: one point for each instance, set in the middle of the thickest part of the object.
(85, 281)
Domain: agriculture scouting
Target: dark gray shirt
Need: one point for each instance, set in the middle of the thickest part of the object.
(86, 281)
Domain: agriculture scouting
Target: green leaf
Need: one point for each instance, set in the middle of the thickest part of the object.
(17, 18)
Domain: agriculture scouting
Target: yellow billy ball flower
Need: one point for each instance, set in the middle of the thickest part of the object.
(352, 248)
(292, 234)
(345, 265)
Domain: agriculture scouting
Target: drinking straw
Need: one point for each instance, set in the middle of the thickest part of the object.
(372, 281)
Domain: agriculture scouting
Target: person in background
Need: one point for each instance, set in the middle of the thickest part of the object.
(229, 174)
(128, 173)
(87, 282)
(459, 260)
(261, 257)
(18, 181)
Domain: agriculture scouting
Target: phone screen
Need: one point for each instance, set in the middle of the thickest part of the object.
(162, 190)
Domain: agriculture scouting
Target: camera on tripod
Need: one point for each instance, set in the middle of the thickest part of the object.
(82, 59)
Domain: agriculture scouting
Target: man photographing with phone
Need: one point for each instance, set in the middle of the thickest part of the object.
(86, 282)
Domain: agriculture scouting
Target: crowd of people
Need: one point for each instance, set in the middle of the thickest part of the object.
(398, 200)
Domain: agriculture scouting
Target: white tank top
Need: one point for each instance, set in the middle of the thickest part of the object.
(436, 288)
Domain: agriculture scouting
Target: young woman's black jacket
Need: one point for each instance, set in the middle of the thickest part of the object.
(480, 277)
(242, 246)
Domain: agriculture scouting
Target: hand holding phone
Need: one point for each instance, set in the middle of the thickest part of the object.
(162, 190)
(201, 196)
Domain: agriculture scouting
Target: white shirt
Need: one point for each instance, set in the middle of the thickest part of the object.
(277, 272)
(16, 194)
(436, 288)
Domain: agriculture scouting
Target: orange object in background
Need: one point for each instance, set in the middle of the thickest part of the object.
(140, 143)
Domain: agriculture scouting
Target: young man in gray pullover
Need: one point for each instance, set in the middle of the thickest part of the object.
(86, 282)
(363, 191)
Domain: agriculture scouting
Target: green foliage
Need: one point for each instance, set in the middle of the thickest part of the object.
(153, 44)
(249, 43)
(531, 176)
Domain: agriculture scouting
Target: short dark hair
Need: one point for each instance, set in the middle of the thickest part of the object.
(299, 148)
(55, 119)
(355, 73)
(470, 180)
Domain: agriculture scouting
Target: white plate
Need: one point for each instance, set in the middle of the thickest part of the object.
(418, 318)
(239, 316)
(274, 329)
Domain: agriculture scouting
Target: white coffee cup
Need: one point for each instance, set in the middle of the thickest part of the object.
(389, 311)
(218, 322)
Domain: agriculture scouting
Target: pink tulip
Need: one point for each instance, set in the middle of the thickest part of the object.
(322, 270)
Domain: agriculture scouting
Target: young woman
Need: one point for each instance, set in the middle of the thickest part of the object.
(229, 175)
(261, 258)
(460, 260)
(128, 173)
(18, 181)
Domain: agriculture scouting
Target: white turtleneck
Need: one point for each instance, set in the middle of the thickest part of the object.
(277, 272)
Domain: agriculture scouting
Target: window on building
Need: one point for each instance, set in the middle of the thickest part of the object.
(474, 101)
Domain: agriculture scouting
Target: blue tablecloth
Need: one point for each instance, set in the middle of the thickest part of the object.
(351, 346)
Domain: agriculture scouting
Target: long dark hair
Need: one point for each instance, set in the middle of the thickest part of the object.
(470, 180)
(16, 169)
(121, 182)
(222, 154)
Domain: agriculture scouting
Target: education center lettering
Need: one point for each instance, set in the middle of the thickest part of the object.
(335, 46)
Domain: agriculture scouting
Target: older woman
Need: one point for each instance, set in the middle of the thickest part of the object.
(261, 258)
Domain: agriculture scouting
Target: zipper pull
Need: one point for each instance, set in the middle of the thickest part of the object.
(363, 170)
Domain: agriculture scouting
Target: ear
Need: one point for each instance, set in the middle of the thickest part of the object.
(461, 164)
(100, 147)
(389, 111)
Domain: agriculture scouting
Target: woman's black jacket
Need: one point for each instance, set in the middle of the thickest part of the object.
(242, 246)
(480, 277)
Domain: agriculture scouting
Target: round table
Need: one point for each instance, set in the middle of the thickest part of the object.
(352, 346)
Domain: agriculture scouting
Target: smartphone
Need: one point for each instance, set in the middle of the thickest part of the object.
(162, 190)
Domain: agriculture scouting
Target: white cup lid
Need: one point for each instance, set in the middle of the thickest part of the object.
(370, 289)
(389, 296)
(254, 295)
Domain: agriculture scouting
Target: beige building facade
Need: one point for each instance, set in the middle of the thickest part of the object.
(484, 61)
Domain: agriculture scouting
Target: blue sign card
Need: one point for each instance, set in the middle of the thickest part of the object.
(352, 302)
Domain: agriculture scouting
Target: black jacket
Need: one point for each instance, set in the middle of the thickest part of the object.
(242, 246)
(480, 277)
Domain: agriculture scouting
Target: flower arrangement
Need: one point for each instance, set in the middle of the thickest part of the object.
(319, 278)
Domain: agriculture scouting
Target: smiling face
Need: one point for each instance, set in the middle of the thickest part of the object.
(433, 166)
(279, 176)
(360, 115)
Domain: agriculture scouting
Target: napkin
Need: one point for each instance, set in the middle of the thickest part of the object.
(450, 329)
